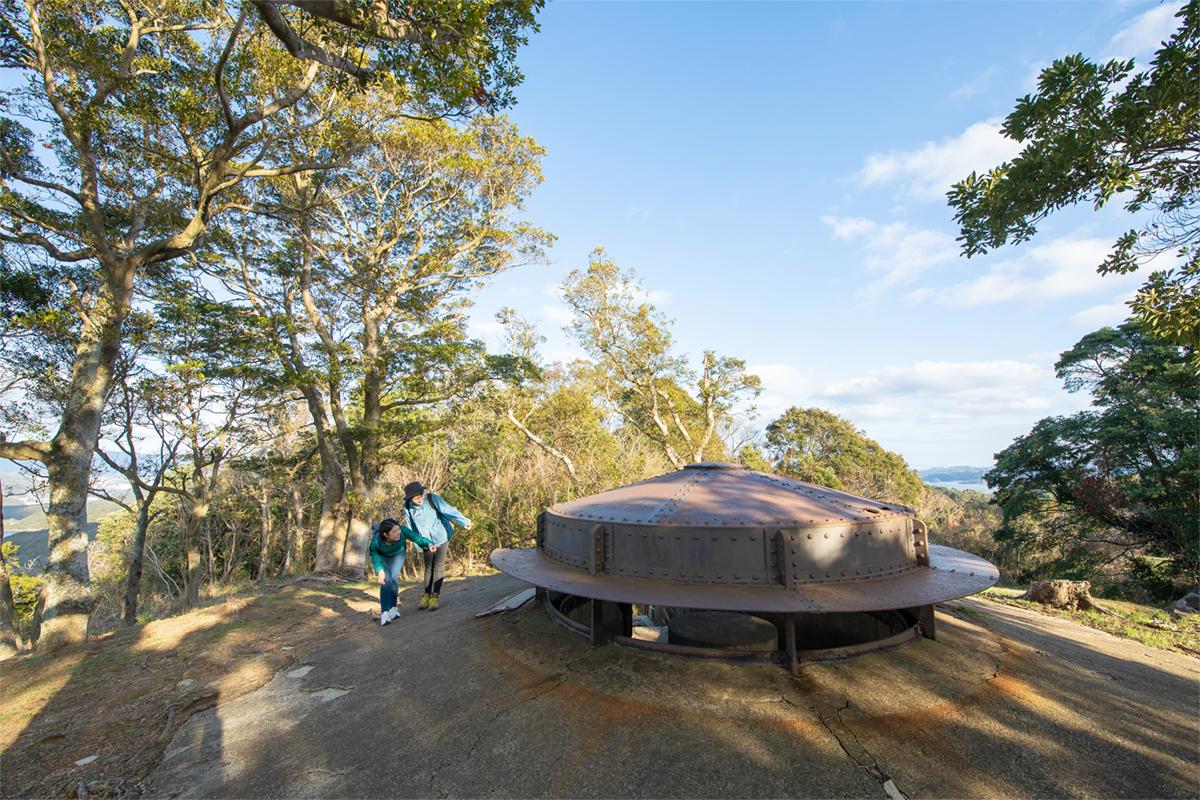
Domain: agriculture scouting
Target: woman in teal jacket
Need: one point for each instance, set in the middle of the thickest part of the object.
(387, 556)
(432, 517)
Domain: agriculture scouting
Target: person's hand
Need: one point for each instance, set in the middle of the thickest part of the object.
(381, 576)
(433, 548)
(469, 525)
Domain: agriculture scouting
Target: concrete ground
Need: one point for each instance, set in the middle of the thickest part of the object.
(1006, 703)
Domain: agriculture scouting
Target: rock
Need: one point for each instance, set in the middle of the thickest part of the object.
(83, 762)
(185, 684)
(1061, 594)
(1188, 604)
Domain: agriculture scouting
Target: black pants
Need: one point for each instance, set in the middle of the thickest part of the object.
(435, 570)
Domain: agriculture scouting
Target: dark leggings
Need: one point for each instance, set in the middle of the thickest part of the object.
(435, 570)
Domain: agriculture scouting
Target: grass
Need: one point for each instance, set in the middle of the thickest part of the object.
(122, 696)
(1151, 626)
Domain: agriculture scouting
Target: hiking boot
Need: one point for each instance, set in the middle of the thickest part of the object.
(433, 602)
(424, 602)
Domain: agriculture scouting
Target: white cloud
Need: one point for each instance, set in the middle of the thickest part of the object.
(927, 172)
(935, 390)
(1144, 34)
(1059, 268)
(967, 380)
(1113, 313)
(931, 411)
(783, 386)
(897, 253)
(634, 211)
(974, 86)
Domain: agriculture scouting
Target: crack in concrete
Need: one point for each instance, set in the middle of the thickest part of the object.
(554, 680)
(831, 719)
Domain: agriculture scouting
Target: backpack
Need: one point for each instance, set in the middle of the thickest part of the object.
(433, 503)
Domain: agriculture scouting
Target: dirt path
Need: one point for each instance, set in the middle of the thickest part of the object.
(116, 702)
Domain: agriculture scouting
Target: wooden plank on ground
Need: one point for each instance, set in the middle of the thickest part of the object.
(508, 604)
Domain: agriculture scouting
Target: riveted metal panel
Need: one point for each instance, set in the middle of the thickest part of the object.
(717, 526)
(568, 541)
(728, 555)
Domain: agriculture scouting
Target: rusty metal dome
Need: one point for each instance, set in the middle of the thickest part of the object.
(722, 537)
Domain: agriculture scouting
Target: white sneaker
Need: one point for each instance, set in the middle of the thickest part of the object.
(388, 616)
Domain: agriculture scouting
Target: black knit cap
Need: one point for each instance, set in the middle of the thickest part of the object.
(413, 489)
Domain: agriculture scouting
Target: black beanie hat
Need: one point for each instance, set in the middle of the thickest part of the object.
(413, 489)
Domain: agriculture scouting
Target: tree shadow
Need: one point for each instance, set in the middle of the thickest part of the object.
(314, 699)
(123, 696)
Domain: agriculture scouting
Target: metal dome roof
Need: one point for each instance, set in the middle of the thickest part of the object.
(720, 536)
(719, 494)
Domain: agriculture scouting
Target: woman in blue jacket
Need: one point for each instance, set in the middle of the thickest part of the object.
(433, 518)
(387, 556)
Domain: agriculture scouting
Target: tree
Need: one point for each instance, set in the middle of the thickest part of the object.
(389, 248)
(641, 375)
(154, 115)
(820, 447)
(532, 386)
(142, 162)
(452, 53)
(140, 401)
(1121, 481)
(1094, 132)
(210, 354)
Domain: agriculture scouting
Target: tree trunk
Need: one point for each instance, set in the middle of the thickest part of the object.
(10, 640)
(210, 550)
(133, 580)
(331, 534)
(231, 560)
(265, 522)
(294, 556)
(358, 529)
(197, 512)
(362, 452)
(67, 594)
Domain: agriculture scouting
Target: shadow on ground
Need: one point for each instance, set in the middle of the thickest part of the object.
(446, 705)
(116, 702)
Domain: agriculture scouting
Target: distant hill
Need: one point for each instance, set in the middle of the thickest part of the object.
(953, 474)
(31, 517)
(25, 526)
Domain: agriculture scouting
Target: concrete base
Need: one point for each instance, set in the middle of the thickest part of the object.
(1006, 703)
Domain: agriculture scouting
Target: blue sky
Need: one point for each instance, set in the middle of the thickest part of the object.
(776, 174)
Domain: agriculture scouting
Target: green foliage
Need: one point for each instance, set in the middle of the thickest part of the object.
(960, 518)
(648, 384)
(1094, 132)
(1123, 480)
(26, 590)
(817, 446)
(449, 55)
(751, 457)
